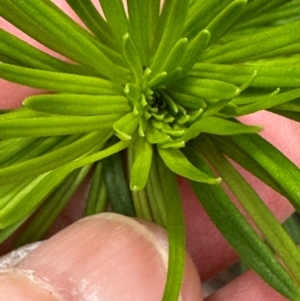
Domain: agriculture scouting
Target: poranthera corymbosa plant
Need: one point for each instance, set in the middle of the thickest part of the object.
(159, 85)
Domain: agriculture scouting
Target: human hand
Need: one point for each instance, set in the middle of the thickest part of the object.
(112, 257)
(104, 257)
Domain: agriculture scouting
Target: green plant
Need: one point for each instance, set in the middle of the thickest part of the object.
(162, 88)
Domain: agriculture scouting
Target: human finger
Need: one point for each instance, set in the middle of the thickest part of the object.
(248, 287)
(107, 257)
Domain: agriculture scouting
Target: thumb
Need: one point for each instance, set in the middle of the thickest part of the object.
(103, 257)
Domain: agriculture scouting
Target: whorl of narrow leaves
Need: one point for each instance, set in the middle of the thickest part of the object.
(152, 79)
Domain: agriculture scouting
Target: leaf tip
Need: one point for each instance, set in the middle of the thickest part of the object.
(135, 188)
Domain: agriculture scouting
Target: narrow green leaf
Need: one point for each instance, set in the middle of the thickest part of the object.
(12, 191)
(80, 45)
(240, 235)
(176, 232)
(289, 10)
(116, 18)
(195, 48)
(154, 12)
(81, 105)
(173, 106)
(53, 126)
(291, 106)
(268, 101)
(234, 152)
(45, 184)
(253, 95)
(187, 100)
(7, 232)
(40, 147)
(267, 76)
(289, 50)
(133, 93)
(97, 197)
(201, 14)
(141, 205)
(172, 31)
(154, 136)
(258, 8)
(253, 45)
(174, 145)
(99, 155)
(8, 60)
(21, 20)
(17, 145)
(218, 126)
(267, 224)
(12, 212)
(291, 226)
(20, 113)
(175, 57)
(155, 193)
(225, 19)
(49, 161)
(142, 157)
(93, 20)
(57, 81)
(208, 89)
(132, 57)
(274, 162)
(140, 198)
(216, 107)
(52, 207)
(164, 12)
(126, 126)
(158, 80)
(179, 164)
(143, 21)
(20, 53)
(120, 198)
(175, 75)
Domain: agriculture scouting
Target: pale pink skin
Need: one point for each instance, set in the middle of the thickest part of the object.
(104, 257)
(64, 263)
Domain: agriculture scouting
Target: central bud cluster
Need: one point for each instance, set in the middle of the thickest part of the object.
(158, 116)
(172, 102)
(161, 113)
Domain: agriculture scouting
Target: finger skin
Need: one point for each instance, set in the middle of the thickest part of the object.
(108, 257)
(248, 287)
(17, 287)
